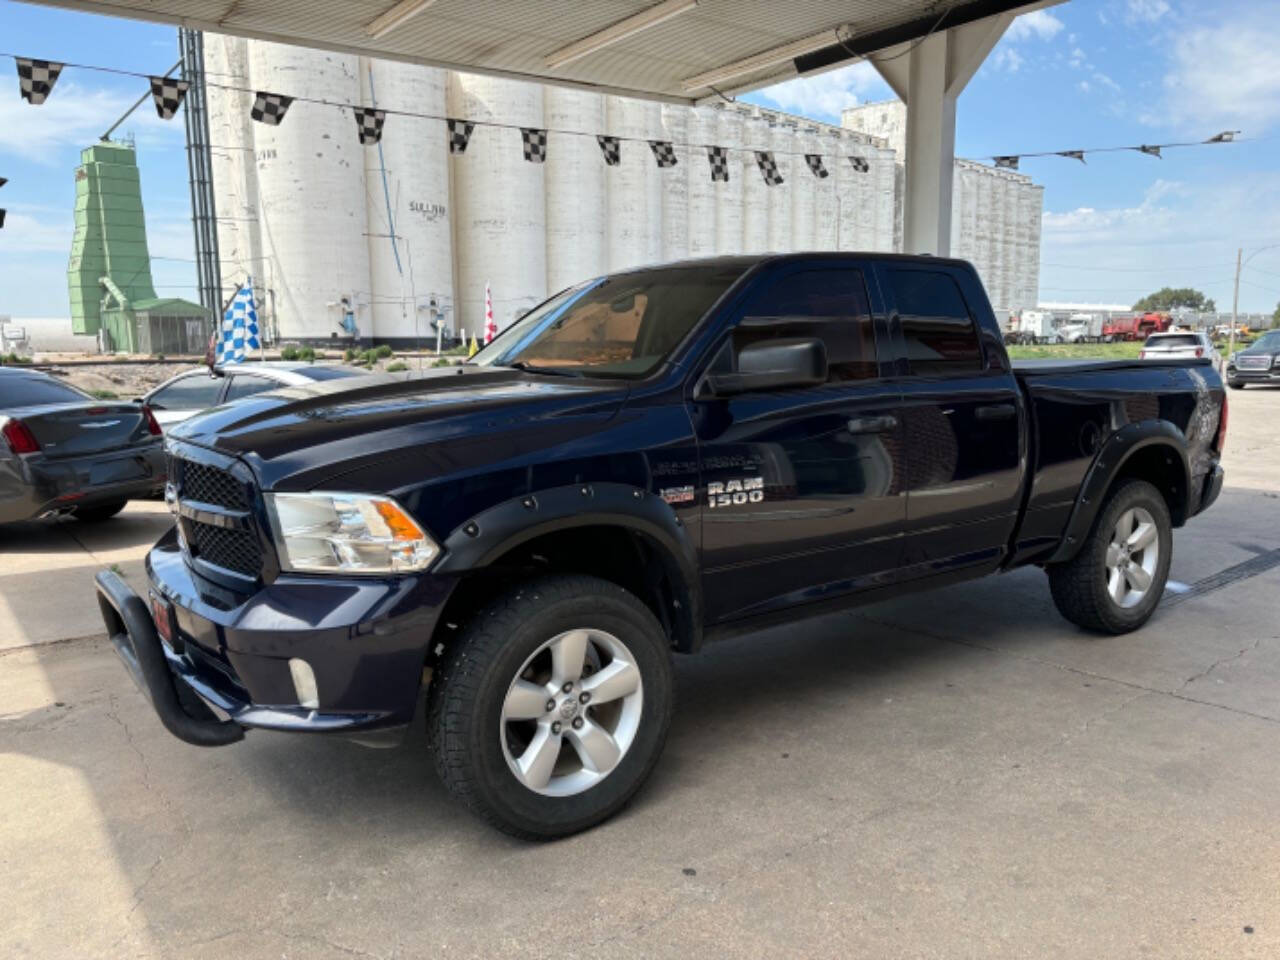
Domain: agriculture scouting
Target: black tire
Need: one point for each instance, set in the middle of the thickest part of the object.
(99, 513)
(1079, 586)
(464, 709)
(1235, 385)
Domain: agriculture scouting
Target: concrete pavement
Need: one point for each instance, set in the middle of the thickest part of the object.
(956, 774)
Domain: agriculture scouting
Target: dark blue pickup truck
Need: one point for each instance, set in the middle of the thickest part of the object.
(645, 461)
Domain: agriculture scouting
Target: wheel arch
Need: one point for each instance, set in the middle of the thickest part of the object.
(615, 531)
(1151, 450)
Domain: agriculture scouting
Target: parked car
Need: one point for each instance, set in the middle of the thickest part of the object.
(64, 452)
(1176, 345)
(646, 461)
(188, 393)
(1257, 363)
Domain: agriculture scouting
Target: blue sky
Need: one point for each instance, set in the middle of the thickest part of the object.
(1088, 73)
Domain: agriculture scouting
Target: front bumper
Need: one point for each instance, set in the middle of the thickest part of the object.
(37, 485)
(364, 639)
(1235, 375)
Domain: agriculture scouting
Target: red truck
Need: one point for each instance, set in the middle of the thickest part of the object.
(1136, 327)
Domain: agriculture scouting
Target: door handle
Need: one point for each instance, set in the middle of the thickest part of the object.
(997, 411)
(873, 424)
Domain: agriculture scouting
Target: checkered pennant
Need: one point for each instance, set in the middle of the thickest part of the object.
(535, 144)
(859, 164)
(239, 327)
(369, 124)
(36, 79)
(1150, 151)
(814, 160)
(1, 219)
(611, 148)
(718, 157)
(167, 94)
(459, 135)
(1072, 155)
(768, 168)
(270, 108)
(1007, 163)
(664, 152)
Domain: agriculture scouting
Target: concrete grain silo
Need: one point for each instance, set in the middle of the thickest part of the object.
(575, 178)
(803, 190)
(701, 215)
(654, 183)
(627, 184)
(235, 172)
(407, 201)
(825, 200)
(853, 197)
(756, 138)
(311, 192)
(499, 223)
(883, 170)
(782, 143)
(729, 195)
(674, 184)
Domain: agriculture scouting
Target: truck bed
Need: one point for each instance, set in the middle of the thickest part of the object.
(1089, 365)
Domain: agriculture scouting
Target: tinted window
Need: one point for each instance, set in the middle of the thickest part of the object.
(246, 385)
(1174, 340)
(28, 390)
(330, 373)
(939, 332)
(828, 304)
(195, 392)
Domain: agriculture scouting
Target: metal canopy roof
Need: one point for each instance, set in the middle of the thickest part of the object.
(516, 37)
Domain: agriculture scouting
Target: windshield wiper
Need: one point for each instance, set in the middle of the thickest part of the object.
(527, 367)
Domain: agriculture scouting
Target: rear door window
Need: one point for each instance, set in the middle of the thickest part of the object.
(830, 305)
(246, 385)
(939, 331)
(26, 390)
(1175, 340)
(195, 392)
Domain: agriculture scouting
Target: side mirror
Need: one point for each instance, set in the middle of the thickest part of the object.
(773, 365)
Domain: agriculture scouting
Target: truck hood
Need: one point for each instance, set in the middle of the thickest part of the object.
(304, 436)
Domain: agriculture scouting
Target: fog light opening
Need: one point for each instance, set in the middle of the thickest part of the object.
(304, 683)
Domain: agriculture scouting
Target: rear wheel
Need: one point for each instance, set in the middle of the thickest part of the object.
(1115, 582)
(552, 708)
(101, 512)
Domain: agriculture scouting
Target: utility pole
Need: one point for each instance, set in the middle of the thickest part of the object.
(1235, 310)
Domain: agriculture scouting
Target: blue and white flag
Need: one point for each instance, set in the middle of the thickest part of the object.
(239, 327)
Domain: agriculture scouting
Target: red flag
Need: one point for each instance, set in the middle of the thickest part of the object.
(490, 328)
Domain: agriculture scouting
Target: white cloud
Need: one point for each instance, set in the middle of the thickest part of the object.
(1007, 58)
(1083, 86)
(1106, 81)
(1037, 23)
(75, 117)
(826, 94)
(1224, 76)
(1145, 11)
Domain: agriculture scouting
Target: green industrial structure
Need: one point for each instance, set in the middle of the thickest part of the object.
(109, 276)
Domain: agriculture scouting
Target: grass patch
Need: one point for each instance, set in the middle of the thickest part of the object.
(397, 367)
(104, 394)
(1076, 351)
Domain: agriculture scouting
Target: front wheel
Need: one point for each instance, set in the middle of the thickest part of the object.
(1235, 384)
(1116, 580)
(553, 706)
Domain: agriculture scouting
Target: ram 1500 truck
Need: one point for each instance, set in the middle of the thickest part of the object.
(643, 462)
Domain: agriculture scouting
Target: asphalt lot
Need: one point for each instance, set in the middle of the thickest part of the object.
(958, 774)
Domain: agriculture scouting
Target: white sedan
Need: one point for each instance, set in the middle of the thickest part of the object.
(1176, 346)
(188, 393)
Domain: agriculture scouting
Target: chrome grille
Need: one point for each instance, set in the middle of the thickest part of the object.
(1253, 363)
(232, 548)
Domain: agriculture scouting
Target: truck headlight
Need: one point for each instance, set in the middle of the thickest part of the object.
(347, 533)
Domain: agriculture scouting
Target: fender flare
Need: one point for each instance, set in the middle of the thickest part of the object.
(1107, 465)
(481, 540)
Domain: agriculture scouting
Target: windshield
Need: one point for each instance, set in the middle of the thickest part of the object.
(1268, 342)
(619, 326)
(1173, 340)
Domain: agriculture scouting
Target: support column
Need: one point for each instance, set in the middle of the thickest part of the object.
(928, 76)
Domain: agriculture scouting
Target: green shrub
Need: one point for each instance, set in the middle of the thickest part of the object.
(306, 353)
(289, 353)
(382, 352)
(104, 394)
(461, 350)
(442, 362)
(349, 354)
(397, 367)
(12, 359)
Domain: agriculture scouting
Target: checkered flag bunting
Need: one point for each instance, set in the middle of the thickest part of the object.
(1072, 155)
(535, 144)
(239, 327)
(168, 94)
(814, 160)
(611, 149)
(369, 124)
(768, 168)
(1150, 151)
(1007, 163)
(718, 157)
(270, 108)
(36, 79)
(459, 135)
(664, 152)
(859, 164)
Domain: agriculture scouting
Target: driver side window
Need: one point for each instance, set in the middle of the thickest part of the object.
(830, 305)
(195, 392)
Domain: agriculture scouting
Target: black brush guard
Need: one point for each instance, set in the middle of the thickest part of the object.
(133, 634)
